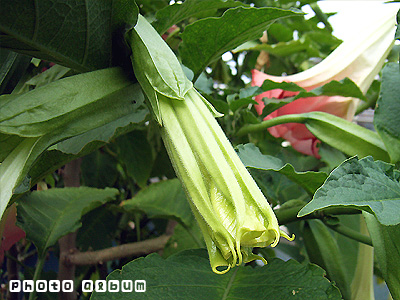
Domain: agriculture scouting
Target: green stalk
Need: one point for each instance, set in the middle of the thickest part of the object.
(350, 233)
(295, 118)
(36, 275)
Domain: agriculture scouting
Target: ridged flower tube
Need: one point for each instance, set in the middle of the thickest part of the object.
(232, 212)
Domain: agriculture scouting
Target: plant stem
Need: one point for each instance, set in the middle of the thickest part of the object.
(289, 214)
(295, 118)
(36, 275)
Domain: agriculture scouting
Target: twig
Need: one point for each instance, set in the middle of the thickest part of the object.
(121, 251)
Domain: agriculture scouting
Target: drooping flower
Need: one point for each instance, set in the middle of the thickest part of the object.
(11, 233)
(359, 58)
(232, 212)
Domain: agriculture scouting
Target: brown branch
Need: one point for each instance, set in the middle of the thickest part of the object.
(71, 176)
(121, 251)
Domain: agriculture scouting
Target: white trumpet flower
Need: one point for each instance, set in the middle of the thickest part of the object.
(232, 212)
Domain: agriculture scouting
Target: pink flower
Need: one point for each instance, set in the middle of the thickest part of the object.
(297, 134)
(359, 59)
(11, 233)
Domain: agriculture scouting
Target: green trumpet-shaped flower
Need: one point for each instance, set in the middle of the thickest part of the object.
(232, 212)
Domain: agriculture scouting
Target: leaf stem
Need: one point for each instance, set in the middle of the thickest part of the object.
(36, 275)
(295, 118)
(350, 233)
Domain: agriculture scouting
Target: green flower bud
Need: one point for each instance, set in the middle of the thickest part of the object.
(232, 212)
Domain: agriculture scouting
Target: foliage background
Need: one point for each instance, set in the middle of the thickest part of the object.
(118, 186)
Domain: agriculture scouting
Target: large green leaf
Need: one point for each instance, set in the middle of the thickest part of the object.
(173, 14)
(162, 199)
(135, 153)
(76, 34)
(83, 144)
(187, 275)
(47, 215)
(57, 105)
(365, 184)
(98, 229)
(344, 135)
(387, 112)
(184, 238)
(386, 242)
(252, 158)
(202, 44)
(345, 88)
(99, 169)
(61, 110)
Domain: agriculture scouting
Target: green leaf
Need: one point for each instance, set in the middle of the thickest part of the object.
(12, 67)
(280, 49)
(322, 249)
(59, 111)
(184, 238)
(252, 158)
(386, 242)
(54, 73)
(98, 229)
(187, 275)
(202, 44)
(369, 185)
(346, 136)
(387, 112)
(98, 169)
(162, 199)
(74, 34)
(135, 153)
(156, 66)
(56, 105)
(345, 88)
(235, 103)
(47, 215)
(177, 12)
(83, 144)
(286, 86)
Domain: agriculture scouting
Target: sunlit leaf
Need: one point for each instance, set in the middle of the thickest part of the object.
(254, 159)
(365, 184)
(202, 44)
